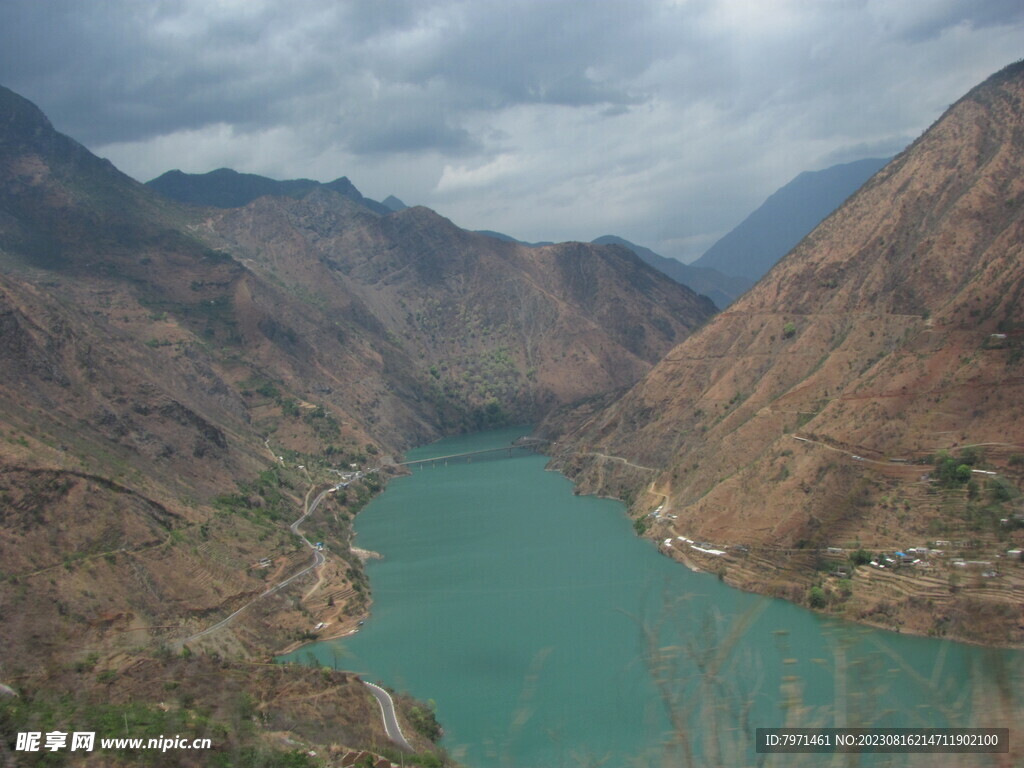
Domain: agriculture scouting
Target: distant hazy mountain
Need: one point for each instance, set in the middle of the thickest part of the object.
(720, 288)
(785, 218)
(510, 239)
(393, 203)
(226, 188)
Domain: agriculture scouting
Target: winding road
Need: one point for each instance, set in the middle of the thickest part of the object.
(318, 560)
(387, 711)
(627, 462)
(387, 705)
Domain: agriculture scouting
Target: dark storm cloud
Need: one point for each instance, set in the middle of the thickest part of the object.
(120, 71)
(916, 22)
(664, 121)
(538, 52)
(128, 71)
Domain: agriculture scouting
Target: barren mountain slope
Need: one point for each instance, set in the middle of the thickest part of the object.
(491, 328)
(796, 419)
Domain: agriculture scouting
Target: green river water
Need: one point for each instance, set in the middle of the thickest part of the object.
(528, 614)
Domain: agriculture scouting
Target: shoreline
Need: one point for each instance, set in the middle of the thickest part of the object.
(688, 561)
(905, 606)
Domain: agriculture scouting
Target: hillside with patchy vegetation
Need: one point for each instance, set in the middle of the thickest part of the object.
(864, 398)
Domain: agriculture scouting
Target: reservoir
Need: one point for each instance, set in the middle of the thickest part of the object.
(549, 634)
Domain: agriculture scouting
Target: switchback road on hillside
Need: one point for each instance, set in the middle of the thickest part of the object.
(627, 462)
(318, 560)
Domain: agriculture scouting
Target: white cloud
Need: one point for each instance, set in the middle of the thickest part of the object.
(459, 178)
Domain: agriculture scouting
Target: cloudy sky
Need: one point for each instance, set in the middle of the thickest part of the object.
(663, 121)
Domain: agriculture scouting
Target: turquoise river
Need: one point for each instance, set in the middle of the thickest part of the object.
(548, 634)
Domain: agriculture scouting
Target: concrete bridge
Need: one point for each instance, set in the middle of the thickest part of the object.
(522, 443)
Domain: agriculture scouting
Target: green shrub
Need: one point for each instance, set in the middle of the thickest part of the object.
(951, 472)
(860, 557)
(816, 597)
(1000, 490)
(267, 389)
(424, 720)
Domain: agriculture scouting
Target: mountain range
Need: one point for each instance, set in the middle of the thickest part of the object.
(227, 188)
(725, 271)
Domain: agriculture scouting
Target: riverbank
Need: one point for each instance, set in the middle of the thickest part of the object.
(968, 589)
(971, 609)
